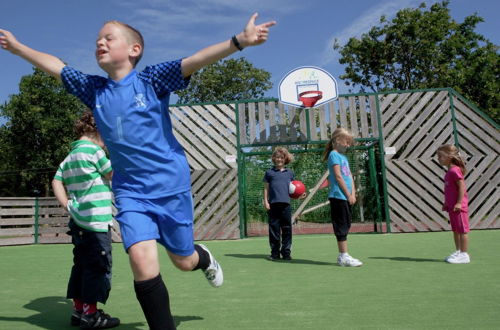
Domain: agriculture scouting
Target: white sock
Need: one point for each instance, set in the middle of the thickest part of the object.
(343, 254)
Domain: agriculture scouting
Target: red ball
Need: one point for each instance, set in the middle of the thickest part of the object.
(296, 189)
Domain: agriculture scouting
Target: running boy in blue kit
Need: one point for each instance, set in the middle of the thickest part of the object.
(151, 179)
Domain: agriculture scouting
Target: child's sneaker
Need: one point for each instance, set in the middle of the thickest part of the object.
(348, 261)
(453, 255)
(98, 320)
(461, 258)
(76, 317)
(273, 258)
(214, 271)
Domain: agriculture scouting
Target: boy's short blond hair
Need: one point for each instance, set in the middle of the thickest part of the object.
(133, 36)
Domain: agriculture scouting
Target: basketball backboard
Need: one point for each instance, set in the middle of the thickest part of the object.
(307, 86)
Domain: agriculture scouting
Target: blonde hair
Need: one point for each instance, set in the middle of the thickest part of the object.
(133, 36)
(281, 151)
(452, 152)
(339, 133)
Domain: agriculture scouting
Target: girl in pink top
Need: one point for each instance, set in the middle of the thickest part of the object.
(455, 201)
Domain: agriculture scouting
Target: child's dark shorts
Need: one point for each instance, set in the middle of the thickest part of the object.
(341, 218)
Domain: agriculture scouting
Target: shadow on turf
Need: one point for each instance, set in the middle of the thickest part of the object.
(54, 313)
(408, 259)
(293, 261)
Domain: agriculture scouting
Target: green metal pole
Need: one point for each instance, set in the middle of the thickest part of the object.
(308, 123)
(373, 179)
(453, 118)
(382, 163)
(241, 176)
(242, 195)
(36, 220)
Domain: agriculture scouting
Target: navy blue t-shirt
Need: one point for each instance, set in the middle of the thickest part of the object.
(279, 183)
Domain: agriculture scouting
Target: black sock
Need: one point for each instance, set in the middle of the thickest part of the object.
(153, 297)
(204, 261)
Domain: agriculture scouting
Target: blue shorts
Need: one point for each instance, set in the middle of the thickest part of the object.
(168, 220)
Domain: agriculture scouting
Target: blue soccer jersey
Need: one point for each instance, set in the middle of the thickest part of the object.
(133, 119)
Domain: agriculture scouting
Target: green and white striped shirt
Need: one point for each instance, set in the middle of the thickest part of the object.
(82, 172)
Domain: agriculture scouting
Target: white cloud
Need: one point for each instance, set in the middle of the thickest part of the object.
(173, 26)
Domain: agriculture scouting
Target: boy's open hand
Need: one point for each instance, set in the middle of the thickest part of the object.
(254, 35)
(8, 41)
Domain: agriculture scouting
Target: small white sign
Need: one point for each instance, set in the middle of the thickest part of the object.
(390, 150)
(230, 158)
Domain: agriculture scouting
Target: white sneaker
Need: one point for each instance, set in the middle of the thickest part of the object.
(461, 258)
(453, 255)
(213, 273)
(348, 261)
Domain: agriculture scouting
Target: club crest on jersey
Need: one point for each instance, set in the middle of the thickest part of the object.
(140, 101)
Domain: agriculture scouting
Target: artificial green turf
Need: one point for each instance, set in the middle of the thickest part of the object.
(403, 284)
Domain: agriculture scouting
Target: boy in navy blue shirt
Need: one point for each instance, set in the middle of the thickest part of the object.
(277, 203)
(151, 179)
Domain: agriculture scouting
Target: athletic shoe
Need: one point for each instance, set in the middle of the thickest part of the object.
(273, 258)
(98, 320)
(453, 255)
(348, 261)
(75, 318)
(287, 258)
(461, 258)
(213, 273)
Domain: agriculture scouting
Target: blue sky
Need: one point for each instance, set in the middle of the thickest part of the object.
(172, 29)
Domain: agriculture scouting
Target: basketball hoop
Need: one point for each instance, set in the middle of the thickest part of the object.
(306, 87)
(309, 98)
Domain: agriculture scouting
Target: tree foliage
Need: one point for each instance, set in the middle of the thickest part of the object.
(228, 80)
(423, 48)
(36, 136)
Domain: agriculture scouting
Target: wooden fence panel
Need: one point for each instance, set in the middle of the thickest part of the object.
(282, 123)
(415, 124)
(210, 142)
(18, 222)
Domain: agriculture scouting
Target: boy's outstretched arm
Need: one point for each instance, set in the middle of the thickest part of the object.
(252, 35)
(45, 62)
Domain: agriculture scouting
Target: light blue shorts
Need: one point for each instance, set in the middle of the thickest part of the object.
(168, 220)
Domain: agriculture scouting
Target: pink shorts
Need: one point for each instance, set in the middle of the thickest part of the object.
(459, 222)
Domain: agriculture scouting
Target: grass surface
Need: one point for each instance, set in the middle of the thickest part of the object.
(403, 284)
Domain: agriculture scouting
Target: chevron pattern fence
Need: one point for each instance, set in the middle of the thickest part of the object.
(414, 124)
(411, 123)
(208, 135)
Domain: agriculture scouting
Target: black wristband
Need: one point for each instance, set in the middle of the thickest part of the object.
(236, 43)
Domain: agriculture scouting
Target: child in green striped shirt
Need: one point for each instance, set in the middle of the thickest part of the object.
(85, 174)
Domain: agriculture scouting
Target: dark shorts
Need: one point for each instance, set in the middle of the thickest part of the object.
(341, 218)
(90, 279)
